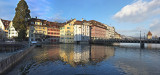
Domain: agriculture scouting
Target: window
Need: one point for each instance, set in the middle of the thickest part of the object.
(32, 22)
(43, 27)
(68, 27)
(31, 35)
(39, 27)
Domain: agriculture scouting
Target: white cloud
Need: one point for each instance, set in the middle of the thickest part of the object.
(57, 18)
(139, 11)
(155, 27)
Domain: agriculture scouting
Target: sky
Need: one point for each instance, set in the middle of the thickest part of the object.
(129, 17)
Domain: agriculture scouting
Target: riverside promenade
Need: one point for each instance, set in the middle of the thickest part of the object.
(12, 58)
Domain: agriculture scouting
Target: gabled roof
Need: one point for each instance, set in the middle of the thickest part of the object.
(6, 23)
(78, 23)
(37, 20)
(51, 24)
(149, 33)
(96, 23)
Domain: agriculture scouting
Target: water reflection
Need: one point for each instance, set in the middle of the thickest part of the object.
(71, 59)
(100, 53)
(75, 54)
(48, 53)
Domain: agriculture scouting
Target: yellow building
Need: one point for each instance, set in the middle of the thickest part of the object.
(117, 36)
(67, 32)
(66, 54)
(38, 29)
(149, 35)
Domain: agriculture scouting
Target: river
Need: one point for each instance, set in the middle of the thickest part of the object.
(71, 59)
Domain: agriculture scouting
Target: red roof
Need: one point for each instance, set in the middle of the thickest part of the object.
(6, 23)
(149, 33)
(96, 23)
(78, 23)
(37, 20)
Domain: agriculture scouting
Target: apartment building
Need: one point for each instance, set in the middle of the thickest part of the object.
(98, 30)
(37, 29)
(12, 33)
(82, 31)
(67, 32)
(110, 32)
(4, 24)
(53, 32)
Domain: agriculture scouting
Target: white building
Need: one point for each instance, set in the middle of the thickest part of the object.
(12, 32)
(32, 36)
(110, 32)
(81, 53)
(81, 31)
(4, 24)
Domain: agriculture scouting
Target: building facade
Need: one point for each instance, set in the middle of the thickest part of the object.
(37, 30)
(149, 35)
(4, 25)
(117, 36)
(67, 32)
(110, 32)
(12, 33)
(98, 30)
(81, 31)
(53, 32)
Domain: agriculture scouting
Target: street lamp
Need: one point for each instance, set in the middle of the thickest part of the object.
(144, 36)
(140, 35)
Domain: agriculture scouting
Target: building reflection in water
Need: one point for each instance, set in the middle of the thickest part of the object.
(66, 53)
(84, 54)
(81, 54)
(48, 53)
(74, 54)
(149, 46)
(100, 53)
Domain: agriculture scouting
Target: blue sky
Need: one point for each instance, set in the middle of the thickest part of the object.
(128, 17)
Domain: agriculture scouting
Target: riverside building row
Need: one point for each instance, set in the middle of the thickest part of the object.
(68, 32)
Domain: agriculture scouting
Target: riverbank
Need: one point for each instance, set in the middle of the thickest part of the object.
(9, 62)
(72, 59)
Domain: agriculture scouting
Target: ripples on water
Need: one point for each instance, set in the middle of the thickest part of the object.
(70, 59)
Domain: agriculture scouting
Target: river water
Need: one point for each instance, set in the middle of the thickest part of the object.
(71, 59)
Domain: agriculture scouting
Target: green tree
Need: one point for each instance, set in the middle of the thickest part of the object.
(20, 21)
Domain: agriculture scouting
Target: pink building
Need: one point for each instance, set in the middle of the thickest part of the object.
(98, 30)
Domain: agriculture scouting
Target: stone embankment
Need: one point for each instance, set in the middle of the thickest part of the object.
(12, 60)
